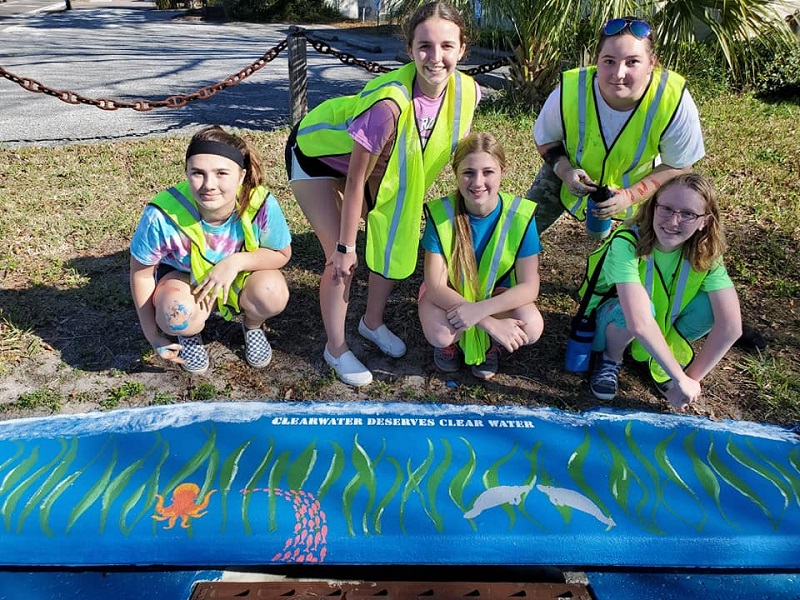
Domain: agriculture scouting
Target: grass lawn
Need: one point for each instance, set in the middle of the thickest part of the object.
(69, 340)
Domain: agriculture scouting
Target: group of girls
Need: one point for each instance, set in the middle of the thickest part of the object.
(219, 238)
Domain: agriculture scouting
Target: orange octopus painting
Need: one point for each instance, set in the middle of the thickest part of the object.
(184, 505)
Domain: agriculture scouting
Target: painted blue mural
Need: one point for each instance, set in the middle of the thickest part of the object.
(391, 483)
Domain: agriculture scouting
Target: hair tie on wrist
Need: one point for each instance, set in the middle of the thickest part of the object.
(218, 148)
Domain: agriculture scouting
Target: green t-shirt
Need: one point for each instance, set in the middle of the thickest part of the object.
(622, 266)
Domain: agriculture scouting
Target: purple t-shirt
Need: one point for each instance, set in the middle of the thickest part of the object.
(375, 128)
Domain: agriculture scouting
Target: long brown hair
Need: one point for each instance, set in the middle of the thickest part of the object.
(253, 169)
(463, 264)
(439, 9)
(706, 245)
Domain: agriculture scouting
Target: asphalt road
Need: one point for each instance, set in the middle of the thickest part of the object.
(126, 50)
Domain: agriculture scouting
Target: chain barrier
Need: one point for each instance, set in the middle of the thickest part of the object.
(206, 92)
(141, 105)
(325, 48)
(488, 67)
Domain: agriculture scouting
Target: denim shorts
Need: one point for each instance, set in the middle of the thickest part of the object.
(693, 323)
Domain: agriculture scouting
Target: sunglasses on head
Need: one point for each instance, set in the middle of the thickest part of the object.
(639, 29)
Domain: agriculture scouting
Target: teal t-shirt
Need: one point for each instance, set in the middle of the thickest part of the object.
(622, 266)
(482, 229)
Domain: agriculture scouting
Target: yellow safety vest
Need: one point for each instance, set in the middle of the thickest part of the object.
(179, 206)
(632, 154)
(393, 222)
(668, 301)
(497, 260)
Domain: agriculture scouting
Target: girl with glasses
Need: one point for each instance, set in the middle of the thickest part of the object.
(657, 284)
(623, 123)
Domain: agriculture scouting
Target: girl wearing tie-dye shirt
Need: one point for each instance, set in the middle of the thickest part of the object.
(216, 240)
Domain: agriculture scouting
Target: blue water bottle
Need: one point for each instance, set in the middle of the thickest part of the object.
(579, 345)
(597, 229)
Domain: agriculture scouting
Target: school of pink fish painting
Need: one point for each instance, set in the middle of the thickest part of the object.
(246, 483)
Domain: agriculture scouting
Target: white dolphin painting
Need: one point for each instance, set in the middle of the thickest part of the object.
(497, 496)
(564, 497)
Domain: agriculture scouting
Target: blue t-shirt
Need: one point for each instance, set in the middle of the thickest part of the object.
(482, 228)
(157, 240)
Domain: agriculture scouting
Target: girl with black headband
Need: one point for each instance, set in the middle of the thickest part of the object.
(215, 240)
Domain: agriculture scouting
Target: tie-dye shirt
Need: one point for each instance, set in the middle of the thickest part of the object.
(158, 241)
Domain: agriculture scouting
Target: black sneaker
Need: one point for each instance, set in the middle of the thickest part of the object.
(257, 351)
(488, 368)
(194, 354)
(750, 340)
(665, 387)
(447, 359)
(605, 379)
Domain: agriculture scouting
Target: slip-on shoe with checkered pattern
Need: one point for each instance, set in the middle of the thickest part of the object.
(257, 351)
(193, 352)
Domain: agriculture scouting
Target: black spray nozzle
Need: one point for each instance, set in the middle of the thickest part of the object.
(601, 194)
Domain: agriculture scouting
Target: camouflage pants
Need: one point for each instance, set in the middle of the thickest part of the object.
(546, 192)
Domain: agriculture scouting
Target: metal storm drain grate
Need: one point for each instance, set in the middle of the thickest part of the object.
(391, 590)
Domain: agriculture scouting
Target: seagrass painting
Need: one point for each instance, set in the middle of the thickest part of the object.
(376, 483)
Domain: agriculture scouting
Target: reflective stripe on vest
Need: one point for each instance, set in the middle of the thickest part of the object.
(631, 156)
(497, 260)
(668, 303)
(393, 222)
(179, 206)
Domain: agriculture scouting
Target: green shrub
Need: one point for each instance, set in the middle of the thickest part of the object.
(494, 38)
(778, 71)
(266, 11)
(704, 68)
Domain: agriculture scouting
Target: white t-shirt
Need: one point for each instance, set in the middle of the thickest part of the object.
(681, 145)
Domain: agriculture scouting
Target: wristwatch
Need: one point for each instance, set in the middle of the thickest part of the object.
(340, 247)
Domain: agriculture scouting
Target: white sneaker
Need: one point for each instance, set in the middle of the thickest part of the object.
(348, 368)
(389, 343)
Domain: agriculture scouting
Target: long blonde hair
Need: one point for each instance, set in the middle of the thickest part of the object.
(254, 171)
(707, 245)
(463, 265)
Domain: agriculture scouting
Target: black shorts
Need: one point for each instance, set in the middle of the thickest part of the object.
(313, 167)
(163, 270)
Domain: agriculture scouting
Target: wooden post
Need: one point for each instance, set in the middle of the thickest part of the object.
(298, 76)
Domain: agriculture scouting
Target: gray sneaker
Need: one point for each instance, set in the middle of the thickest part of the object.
(605, 379)
(193, 352)
(488, 368)
(447, 359)
(257, 351)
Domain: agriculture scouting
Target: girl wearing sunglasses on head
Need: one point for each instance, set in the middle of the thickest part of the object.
(624, 124)
(659, 283)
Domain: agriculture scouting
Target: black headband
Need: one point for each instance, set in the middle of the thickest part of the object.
(218, 148)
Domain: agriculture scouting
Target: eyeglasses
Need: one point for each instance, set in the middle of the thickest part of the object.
(639, 29)
(684, 216)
